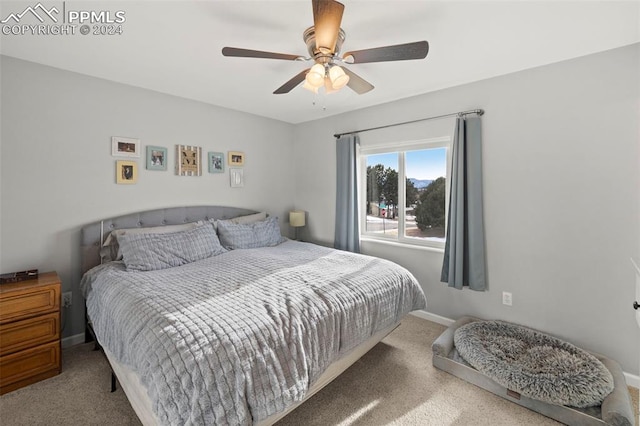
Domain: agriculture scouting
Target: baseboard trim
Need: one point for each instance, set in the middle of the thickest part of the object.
(631, 379)
(77, 339)
(433, 317)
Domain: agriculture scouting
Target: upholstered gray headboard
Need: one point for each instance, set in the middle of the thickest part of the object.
(93, 234)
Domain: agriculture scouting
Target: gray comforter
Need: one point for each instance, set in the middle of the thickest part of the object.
(235, 338)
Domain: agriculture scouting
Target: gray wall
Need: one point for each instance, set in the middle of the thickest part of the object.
(562, 184)
(57, 172)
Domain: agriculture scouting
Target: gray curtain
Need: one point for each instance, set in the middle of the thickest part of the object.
(347, 236)
(464, 254)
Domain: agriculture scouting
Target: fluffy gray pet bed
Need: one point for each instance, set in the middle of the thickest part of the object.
(616, 408)
(534, 364)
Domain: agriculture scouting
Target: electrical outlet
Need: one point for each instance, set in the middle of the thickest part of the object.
(66, 299)
(507, 298)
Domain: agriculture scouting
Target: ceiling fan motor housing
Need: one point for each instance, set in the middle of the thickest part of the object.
(322, 55)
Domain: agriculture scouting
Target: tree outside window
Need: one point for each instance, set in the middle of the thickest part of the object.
(414, 179)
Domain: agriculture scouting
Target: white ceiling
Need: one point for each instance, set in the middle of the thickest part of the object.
(175, 46)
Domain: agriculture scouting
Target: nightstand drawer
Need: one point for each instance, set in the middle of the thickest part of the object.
(29, 366)
(29, 303)
(27, 333)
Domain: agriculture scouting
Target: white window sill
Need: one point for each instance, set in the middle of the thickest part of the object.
(392, 243)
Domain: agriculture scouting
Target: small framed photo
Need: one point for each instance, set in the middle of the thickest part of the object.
(125, 147)
(216, 162)
(126, 172)
(156, 158)
(188, 160)
(236, 158)
(236, 177)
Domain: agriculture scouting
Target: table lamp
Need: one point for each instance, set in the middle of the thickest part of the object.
(297, 219)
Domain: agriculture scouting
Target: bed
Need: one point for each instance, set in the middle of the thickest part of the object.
(242, 336)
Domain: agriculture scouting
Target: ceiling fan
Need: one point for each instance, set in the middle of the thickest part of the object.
(324, 40)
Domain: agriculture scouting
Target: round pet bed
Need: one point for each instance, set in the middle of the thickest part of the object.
(534, 364)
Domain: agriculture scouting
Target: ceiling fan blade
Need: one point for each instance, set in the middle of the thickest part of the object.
(286, 88)
(357, 83)
(327, 16)
(398, 52)
(247, 53)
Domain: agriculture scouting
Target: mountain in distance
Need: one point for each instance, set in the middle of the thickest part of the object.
(420, 183)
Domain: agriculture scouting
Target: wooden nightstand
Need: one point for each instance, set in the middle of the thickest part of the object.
(29, 331)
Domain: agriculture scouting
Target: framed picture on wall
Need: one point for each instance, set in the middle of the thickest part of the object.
(236, 158)
(126, 172)
(236, 178)
(216, 162)
(188, 160)
(156, 158)
(125, 147)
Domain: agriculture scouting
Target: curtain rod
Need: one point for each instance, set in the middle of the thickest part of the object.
(471, 111)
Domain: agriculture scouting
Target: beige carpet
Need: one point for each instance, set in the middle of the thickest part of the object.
(394, 384)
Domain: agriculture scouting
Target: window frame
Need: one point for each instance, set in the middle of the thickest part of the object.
(401, 148)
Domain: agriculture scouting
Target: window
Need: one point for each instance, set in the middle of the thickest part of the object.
(405, 192)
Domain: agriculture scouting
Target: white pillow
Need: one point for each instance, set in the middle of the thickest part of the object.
(241, 220)
(250, 218)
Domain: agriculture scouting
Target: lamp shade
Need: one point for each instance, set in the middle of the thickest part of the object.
(297, 218)
(315, 76)
(328, 86)
(338, 78)
(309, 87)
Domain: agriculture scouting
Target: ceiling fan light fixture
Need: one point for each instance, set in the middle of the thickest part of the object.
(338, 78)
(324, 42)
(328, 86)
(315, 76)
(309, 87)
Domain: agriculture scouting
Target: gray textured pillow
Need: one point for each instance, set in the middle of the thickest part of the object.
(150, 252)
(110, 249)
(249, 235)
